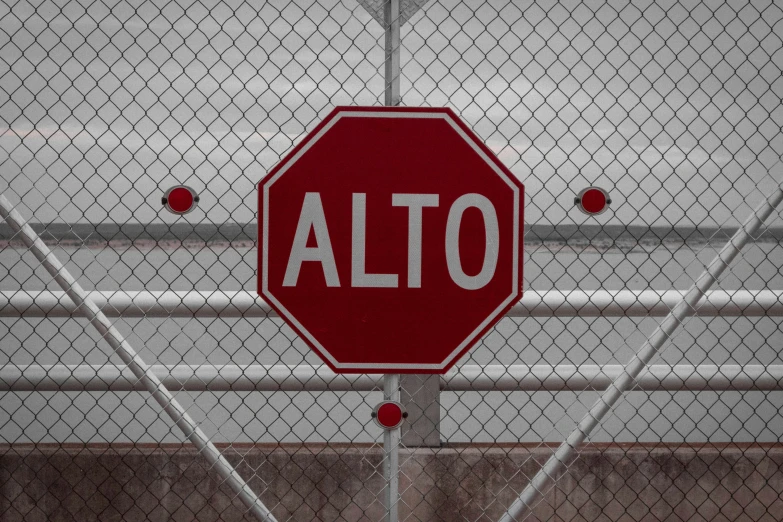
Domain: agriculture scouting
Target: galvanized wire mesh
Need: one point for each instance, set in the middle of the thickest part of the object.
(672, 107)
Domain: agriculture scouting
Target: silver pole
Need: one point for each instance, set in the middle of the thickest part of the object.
(391, 452)
(140, 369)
(391, 382)
(391, 17)
(557, 464)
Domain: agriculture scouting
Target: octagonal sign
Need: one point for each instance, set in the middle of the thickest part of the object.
(390, 239)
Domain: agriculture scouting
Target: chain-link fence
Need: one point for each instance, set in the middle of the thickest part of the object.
(672, 107)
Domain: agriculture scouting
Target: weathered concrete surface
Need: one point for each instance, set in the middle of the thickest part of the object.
(343, 482)
(420, 394)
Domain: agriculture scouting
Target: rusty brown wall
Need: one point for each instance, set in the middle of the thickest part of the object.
(343, 482)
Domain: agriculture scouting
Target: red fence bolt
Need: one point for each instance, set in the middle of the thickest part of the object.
(389, 414)
(180, 199)
(593, 200)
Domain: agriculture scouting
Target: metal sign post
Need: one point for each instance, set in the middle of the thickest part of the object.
(391, 452)
(391, 382)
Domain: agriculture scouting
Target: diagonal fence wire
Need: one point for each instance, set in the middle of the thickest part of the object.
(132, 360)
(558, 463)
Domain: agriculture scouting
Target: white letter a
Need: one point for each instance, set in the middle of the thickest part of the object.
(312, 217)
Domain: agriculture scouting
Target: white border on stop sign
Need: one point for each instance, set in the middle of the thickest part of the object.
(477, 149)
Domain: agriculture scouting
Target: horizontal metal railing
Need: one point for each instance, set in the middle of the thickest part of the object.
(230, 377)
(279, 377)
(607, 303)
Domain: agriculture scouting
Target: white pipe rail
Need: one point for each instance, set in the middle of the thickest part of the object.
(280, 377)
(207, 304)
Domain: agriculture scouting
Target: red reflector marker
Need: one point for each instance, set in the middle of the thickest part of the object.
(389, 414)
(592, 200)
(180, 199)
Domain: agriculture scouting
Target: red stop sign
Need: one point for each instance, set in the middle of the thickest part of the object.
(390, 239)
